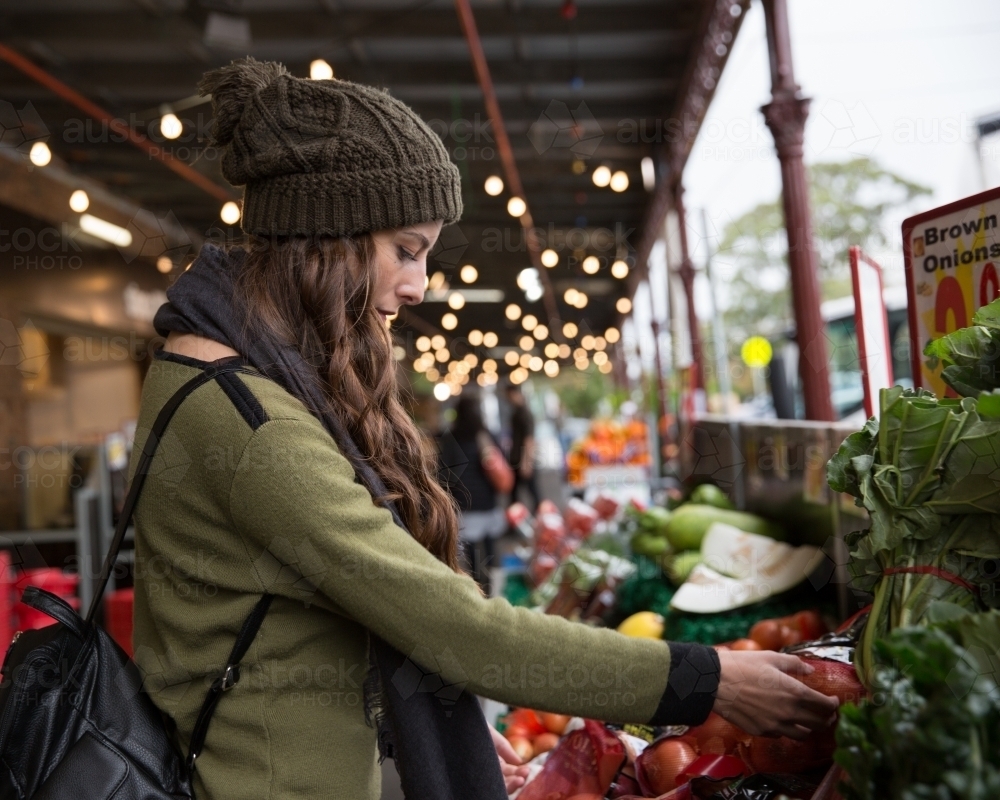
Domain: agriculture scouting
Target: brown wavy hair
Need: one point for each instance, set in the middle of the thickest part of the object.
(316, 293)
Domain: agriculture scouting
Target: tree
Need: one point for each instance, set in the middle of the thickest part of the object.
(850, 201)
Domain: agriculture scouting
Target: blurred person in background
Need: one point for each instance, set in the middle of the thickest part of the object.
(522, 445)
(463, 451)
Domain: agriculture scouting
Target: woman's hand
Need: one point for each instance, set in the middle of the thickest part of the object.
(514, 772)
(759, 693)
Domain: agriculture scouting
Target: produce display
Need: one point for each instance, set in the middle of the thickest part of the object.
(917, 673)
(608, 442)
(604, 564)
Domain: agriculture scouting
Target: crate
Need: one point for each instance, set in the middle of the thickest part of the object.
(118, 617)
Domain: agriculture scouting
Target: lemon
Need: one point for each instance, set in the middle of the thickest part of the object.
(644, 625)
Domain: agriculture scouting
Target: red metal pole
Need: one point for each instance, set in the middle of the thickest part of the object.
(119, 126)
(786, 117)
(662, 426)
(686, 271)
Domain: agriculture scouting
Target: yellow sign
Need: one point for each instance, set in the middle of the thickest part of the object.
(756, 352)
(951, 255)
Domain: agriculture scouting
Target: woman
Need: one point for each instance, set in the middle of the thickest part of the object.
(304, 479)
(463, 449)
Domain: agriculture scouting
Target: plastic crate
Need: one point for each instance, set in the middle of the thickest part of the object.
(118, 617)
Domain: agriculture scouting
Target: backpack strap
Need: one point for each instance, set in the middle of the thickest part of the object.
(228, 679)
(142, 469)
(251, 625)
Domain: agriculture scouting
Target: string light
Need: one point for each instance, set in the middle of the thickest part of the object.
(320, 70)
(230, 213)
(493, 185)
(624, 305)
(529, 322)
(170, 126)
(516, 207)
(550, 258)
(619, 181)
(619, 269)
(601, 177)
(469, 273)
(449, 321)
(490, 339)
(79, 201)
(513, 311)
(475, 337)
(570, 330)
(591, 265)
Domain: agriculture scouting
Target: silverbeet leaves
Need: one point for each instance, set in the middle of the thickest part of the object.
(970, 357)
(931, 729)
(929, 477)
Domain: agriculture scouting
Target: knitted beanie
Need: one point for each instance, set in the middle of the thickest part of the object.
(326, 156)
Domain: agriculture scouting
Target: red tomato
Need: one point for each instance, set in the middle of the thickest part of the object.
(661, 763)
(744, 644)
(517, 731)
(789, 635)
(554, 723)
(767, 633)
(810, 624)
(544, 742)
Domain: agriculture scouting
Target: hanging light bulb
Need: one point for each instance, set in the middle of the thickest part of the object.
(619, 181)
(516, 207)
(493, 185)
(79, 201)
(550, 258)
(230, 213)
(624, 305)
(469, 273)
(40, 155)
(601, 176)
(171, 126)
(619, 269)
(591, 265)
(320, 70)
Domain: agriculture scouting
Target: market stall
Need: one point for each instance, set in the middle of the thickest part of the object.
(898, 618)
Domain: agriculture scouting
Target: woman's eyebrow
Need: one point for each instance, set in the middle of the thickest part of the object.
(425, 242)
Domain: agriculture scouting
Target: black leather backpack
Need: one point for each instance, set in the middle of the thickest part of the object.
(75, 723)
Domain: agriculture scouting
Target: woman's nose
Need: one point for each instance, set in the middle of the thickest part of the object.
(411, 291)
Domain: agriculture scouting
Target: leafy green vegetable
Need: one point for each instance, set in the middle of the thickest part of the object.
(931, 728)
(929, 476)
(970, 357)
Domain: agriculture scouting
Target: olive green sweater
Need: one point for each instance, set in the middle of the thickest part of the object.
(249, 494)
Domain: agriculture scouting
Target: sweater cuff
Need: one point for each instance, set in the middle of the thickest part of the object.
(691, 685)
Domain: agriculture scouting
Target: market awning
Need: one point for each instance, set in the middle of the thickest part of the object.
(581, 85)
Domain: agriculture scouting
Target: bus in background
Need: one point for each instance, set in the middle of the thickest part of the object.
(845, 369)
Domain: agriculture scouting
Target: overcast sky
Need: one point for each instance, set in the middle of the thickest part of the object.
(899, 80)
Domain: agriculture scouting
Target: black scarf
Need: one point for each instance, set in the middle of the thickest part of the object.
(437, 739)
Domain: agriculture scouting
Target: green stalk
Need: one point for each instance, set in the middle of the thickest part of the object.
(865, 656)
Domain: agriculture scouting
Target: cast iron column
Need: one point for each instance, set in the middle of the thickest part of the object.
(786, 117)
(686, 271)
(662, 424)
